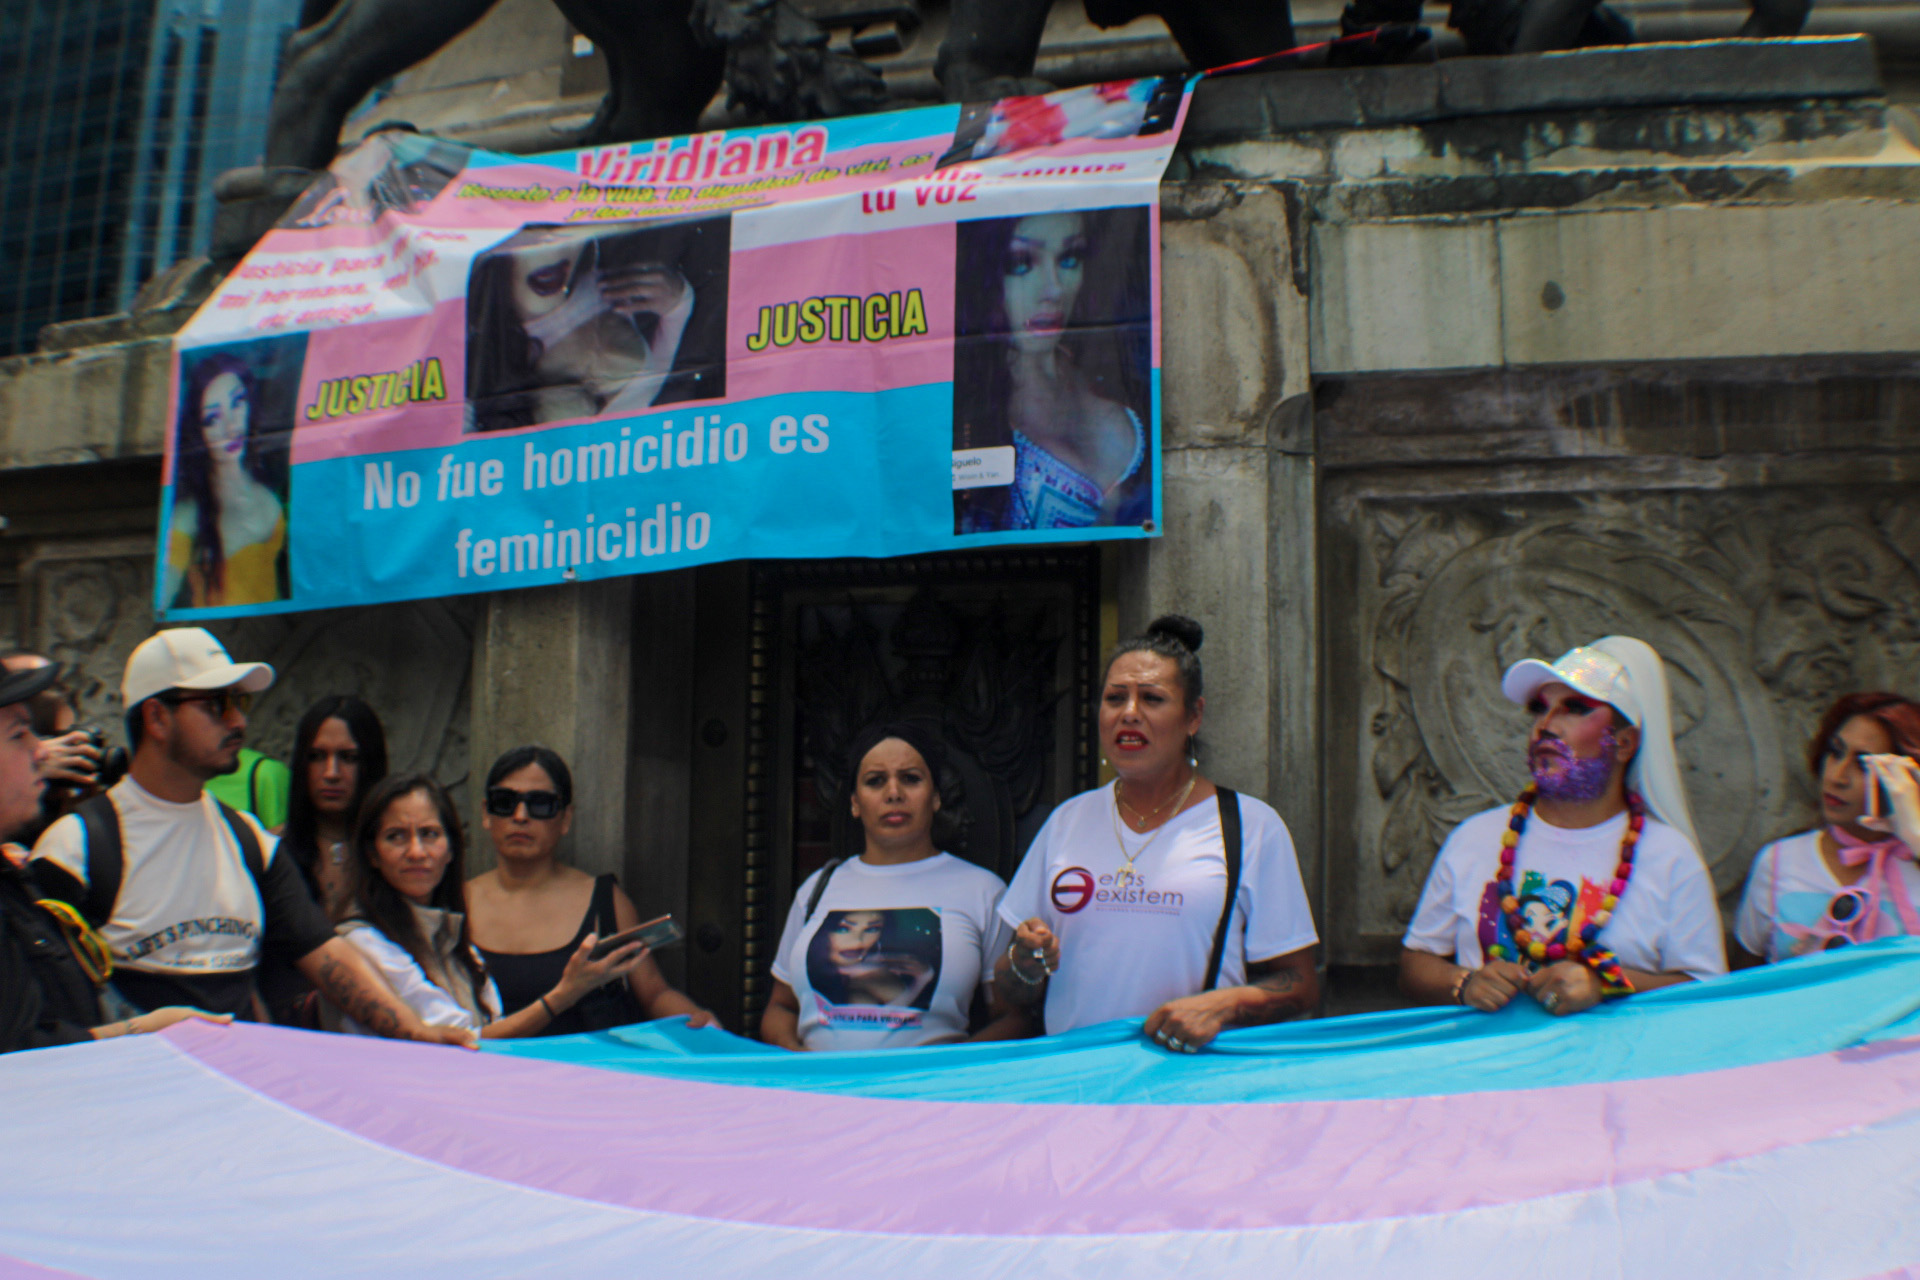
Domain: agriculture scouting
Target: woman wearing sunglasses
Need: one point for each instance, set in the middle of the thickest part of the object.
(408, 919)
(1848, 880)
(532, 913)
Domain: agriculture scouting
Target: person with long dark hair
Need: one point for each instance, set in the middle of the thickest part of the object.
(1052, 356)
(584, 322)
(229, 530)
(409, 919)
(339, 753)
(533, 914)
(1848, 879)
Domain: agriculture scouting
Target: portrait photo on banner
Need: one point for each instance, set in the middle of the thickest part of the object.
(1052, 372)
(569, 322)
(227, 534)
(886, 958)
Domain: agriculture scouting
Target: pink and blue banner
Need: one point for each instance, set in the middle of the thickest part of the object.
(1761, 1125)
(449, 370)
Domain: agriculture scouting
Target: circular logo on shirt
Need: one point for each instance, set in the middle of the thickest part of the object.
(1072, 890)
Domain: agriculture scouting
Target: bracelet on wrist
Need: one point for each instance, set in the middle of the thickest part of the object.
(1460, 986)
(1013, 963)
(551, 1015)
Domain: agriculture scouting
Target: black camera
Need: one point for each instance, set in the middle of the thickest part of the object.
(113, 759)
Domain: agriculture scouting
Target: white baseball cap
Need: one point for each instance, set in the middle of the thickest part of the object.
(1599, 675)
(187, 658)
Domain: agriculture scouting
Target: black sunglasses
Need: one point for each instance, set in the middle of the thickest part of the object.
(218, 702)
(502, 801)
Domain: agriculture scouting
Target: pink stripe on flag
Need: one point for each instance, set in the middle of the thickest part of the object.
(838, 1163)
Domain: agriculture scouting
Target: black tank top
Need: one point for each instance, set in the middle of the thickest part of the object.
(524, 978)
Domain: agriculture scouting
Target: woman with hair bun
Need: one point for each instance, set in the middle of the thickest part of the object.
(1849, 879)
(1160, 895)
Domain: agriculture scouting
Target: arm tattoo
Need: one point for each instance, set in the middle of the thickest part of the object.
(356, 999)
(1288, 994)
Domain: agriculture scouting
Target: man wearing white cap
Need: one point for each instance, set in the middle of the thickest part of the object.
(186, 892)
(1591, 886)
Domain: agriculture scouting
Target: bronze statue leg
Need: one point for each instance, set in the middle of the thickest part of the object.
(333, 64)
(660, 76)
(990, 49)
(1216, 34)
(1777, 18)
(1551, 24)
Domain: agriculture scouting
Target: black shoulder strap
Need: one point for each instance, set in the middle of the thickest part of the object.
(820, 887)
(253, 784)
(106, 859)
(605, 922)
(249, 843)
(1230, 842)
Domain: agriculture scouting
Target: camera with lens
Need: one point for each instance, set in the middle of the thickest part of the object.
(113, 759)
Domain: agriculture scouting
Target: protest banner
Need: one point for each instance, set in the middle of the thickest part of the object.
(448, 370)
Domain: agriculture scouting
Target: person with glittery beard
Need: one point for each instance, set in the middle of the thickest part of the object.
(1591, 886)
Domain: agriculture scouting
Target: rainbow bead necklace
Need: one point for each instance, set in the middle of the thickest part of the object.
(1585, 948)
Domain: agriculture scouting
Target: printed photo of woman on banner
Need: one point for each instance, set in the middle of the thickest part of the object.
(227, 537)
(565, 323)
(1052, 372)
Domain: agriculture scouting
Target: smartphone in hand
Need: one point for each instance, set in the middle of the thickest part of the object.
(657, 933)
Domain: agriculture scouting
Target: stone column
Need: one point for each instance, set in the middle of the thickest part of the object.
(551, 665)
(1240, 492)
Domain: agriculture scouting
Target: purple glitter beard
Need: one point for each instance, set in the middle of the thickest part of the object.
(1560, 776)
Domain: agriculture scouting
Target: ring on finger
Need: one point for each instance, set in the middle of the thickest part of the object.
(1552, 1001)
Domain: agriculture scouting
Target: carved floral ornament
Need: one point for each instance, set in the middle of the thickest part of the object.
(1766, 605)
(409, 662)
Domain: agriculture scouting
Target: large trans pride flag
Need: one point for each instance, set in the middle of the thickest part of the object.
(1766, 1124)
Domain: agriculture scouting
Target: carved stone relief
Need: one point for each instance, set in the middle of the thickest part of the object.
(86, 604)
(1766, 605)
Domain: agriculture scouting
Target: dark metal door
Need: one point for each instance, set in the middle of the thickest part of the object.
(992, 651)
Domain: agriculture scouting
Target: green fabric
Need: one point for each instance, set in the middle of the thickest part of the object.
(271, 782)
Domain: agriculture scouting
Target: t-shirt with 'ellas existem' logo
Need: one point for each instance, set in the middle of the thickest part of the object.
(1131, 942)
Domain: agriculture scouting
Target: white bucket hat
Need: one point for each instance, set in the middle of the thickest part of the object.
(187, 658)
(1629, 676)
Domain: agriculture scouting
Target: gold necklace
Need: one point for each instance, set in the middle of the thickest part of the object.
(1155, 811)
(1127, 875)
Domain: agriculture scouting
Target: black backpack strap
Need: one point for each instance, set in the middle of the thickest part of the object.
(820, 887)
(106, 858)
(253, 784)
(1230, 846)
(250, 850)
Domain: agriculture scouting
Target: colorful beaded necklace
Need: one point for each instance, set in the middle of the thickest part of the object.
(1585, 948)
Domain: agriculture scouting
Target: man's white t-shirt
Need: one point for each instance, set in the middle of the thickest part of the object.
(1127, 946)
(892, 955)
(189, 923)
(1791, 883)
(1668, 921)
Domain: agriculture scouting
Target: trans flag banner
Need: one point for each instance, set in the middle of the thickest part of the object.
(449, 370)
(1762, 1125)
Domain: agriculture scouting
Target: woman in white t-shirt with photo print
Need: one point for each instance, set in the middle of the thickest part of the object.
(1159, 896)
(888, 950)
